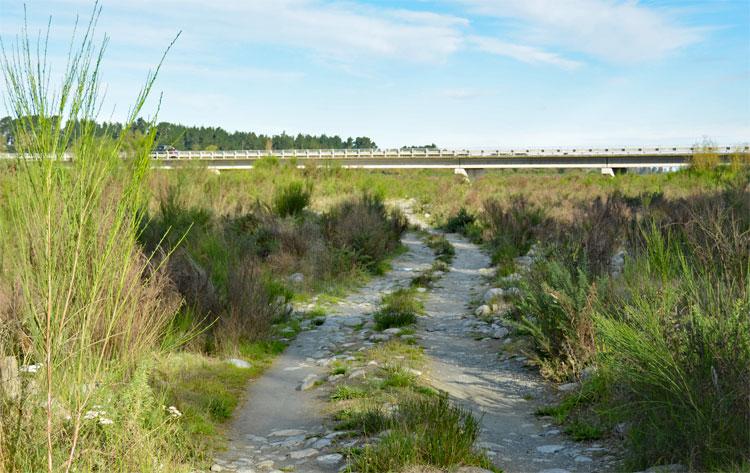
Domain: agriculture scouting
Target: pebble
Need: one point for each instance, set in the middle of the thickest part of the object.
(265, 465)
(554, 470)
(308, 382)
(332, 459)
(306, 453)
(582, 459)
(217, 467)
(567, 387)
(550, 448)
(357, 374)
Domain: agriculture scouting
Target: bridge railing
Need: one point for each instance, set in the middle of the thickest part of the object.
(434, 153)
(443, 153)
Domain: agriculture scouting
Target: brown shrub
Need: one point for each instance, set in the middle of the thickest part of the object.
(250, 307)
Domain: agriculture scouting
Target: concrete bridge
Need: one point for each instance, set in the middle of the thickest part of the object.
(463, 161)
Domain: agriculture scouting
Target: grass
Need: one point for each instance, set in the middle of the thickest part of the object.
(415, 424)
(669, 336)
(398, 309)
(93, 307)
(442, 248)
(206, 390)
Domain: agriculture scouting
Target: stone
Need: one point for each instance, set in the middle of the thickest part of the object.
(217, 467)
(393, 331)
(10, 383)
(321, 443)
(551, 433)
(492, 294)
(239, 363)
(297, 278)
(524, 261)
(483, 310)
(554, 470)
(582, 459)
(287, 433)
(357, 374)
(413, 371)
(472, 469)
(308, 382)
(306, 453)
(265, 465)
(330, 460)
(380, 337)
(567, 387)
(500, 332)
(512, 292)
(588, 372)
(550, 448)
(511, 278)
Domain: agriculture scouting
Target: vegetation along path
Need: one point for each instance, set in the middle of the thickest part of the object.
(465, 364)
(283, 425)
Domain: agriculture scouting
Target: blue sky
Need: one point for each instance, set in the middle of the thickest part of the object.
(459, 73)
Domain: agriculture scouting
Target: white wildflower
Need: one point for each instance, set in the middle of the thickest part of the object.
(105, 421)
(174, 412)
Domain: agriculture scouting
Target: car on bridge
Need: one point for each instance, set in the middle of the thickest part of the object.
(169, 151)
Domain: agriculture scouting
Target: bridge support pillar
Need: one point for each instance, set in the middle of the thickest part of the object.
(608, 172)
(469, 174)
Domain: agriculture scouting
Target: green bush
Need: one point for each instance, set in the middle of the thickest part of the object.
(399, 308)
(424, 430)
(678, 352)
(557, 311)
(292, 199)
(364, 228)
(460, 222)
(442, 248)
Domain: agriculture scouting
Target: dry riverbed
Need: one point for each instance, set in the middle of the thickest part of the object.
(286, 422)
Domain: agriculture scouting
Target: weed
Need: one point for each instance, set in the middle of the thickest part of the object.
(399, 308)
(292, 199)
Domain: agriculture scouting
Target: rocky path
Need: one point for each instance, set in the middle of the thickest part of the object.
(472, 373)
(282, 426)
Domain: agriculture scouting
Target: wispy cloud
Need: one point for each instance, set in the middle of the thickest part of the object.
(520, 52)
(624, 31)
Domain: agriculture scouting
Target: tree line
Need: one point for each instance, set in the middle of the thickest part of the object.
(204, 138)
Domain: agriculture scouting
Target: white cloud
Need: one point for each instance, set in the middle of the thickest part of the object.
(523, 53)
(622, 31)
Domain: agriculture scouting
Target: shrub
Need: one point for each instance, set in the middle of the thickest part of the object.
(705, 157)
(442, 248)
(511, 229)
(678, 351)
(365, 228)
(426, 430)
(253, 303)
(93, 307)
(557, 311)
(460, 222)
(292, 199)
(597, 230)
(399, 308)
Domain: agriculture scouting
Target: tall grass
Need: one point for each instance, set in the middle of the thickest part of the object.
(90, 306)
(679, 350)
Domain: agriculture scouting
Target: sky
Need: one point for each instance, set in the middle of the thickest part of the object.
(457, 73)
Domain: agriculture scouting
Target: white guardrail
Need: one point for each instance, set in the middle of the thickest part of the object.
(446, 153)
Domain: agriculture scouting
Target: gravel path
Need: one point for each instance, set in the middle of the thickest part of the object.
(472, 373)
(282, 426)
